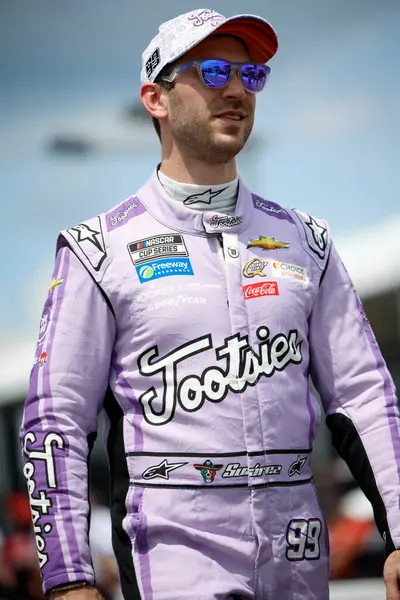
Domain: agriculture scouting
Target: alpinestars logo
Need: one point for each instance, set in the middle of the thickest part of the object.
(244, 366)
(297, 465)
(91, 242)
(204, 197)
(84, 232)
(162, 470)
(319, 233)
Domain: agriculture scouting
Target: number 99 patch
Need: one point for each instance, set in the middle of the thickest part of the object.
(302, 537)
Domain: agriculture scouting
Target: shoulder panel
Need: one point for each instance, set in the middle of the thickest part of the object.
(315, 236)
(89, 242)
(123, 212)
(271, 208)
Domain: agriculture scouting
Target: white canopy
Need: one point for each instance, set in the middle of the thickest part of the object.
(372, 257)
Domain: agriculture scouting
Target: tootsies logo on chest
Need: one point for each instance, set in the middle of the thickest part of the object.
(244, 366)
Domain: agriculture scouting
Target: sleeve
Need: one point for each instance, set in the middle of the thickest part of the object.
(358, 395)
(67, 385)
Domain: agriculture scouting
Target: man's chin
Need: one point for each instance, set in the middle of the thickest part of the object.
(228, 143)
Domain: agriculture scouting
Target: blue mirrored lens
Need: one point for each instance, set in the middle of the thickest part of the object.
(215, 73)
(254, 77)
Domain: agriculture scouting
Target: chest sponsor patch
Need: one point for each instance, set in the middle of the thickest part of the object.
(163, 268)
(156, 247)
(262, 288)
(289, 271)
(255, 267)
(268, 243)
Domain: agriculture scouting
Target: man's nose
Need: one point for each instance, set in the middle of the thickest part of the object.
(235, 88)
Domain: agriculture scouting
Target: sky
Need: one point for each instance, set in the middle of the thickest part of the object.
(326, 138)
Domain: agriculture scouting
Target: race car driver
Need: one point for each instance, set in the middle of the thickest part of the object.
(193, 314)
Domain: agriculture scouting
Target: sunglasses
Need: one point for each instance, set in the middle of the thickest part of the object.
(216, 73)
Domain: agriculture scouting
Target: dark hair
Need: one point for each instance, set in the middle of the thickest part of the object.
(167, 86)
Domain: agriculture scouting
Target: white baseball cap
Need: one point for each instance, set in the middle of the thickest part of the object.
(179, 35)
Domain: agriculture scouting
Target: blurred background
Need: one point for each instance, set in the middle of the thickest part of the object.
(74, 142)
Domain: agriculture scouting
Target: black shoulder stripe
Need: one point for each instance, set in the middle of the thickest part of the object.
(325, 268)
(119, 481)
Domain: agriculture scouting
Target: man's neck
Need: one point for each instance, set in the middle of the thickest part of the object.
(197, 172)
(219, 198)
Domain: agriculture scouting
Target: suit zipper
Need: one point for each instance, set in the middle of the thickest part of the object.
(219, 242)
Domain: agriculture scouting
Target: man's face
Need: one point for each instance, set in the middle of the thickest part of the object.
(195, 112)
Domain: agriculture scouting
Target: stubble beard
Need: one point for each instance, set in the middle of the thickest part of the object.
(196, 138)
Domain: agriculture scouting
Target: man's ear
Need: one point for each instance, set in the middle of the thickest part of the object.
(151, 94)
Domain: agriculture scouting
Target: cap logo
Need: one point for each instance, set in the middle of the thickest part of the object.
(153, 62)
(204, 16)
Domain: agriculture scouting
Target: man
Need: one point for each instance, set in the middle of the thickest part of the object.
(193, 314)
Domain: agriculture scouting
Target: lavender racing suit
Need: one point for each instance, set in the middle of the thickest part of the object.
(195, 333)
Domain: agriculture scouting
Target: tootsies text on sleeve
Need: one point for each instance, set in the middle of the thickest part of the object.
(40, 503)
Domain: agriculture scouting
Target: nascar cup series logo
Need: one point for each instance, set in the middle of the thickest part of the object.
(160, 256)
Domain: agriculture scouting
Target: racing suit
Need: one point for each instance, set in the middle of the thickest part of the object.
(196, 333)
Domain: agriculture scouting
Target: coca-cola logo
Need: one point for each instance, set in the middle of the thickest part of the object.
(262, 288)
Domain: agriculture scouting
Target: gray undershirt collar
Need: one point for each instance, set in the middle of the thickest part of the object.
(220, 198)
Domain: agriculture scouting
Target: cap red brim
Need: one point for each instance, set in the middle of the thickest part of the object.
(258, 35)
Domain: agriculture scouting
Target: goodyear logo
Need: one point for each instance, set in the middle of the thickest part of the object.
(164, 268)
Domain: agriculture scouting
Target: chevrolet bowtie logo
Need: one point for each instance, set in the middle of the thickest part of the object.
(267, 243)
